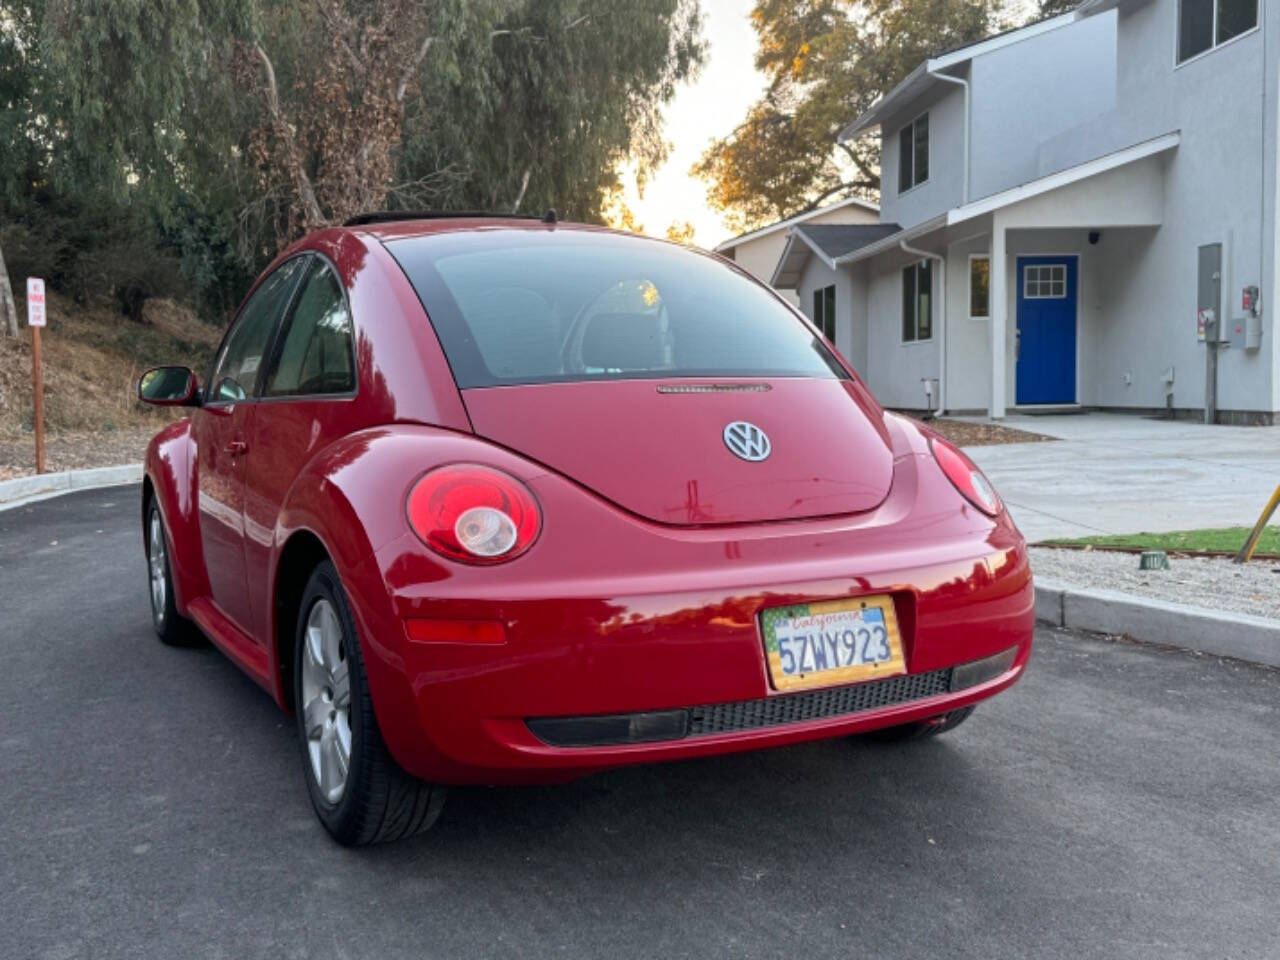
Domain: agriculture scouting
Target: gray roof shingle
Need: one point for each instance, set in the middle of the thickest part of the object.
(837, 239)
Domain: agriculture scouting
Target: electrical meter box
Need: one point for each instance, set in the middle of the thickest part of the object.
(1245, 331)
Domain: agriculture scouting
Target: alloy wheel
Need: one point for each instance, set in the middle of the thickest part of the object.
(326, 700)
(156, 567)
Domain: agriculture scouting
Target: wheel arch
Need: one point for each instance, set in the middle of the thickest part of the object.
(299, 557)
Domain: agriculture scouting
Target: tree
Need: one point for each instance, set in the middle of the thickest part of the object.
(827, 61)
(1051, 8)
(234, 125)
(681, 231)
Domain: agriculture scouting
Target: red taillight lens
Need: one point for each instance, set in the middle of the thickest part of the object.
(966, 478)
(474, 514)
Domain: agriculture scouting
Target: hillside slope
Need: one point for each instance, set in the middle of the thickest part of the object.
(92, 359)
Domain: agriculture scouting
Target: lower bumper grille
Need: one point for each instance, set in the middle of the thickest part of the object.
(816, 704)
(738, 716)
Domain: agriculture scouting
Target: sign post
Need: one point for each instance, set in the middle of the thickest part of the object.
(35, 320)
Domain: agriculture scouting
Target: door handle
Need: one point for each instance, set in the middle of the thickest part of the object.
(237, 448)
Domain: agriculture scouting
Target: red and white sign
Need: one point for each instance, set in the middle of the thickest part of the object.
(35, 302)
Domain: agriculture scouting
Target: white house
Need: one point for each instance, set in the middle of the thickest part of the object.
(1066, 210)
(757, 252)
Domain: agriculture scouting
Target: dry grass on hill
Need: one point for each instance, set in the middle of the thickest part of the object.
(92, 359)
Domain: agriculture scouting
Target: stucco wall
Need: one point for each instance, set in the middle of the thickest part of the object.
(1031, 91)
(895, 369)
(851, 338)
(945, 186)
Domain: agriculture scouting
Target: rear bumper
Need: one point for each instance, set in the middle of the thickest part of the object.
(667, 620)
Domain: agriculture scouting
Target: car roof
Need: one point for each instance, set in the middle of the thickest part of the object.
(398, 229)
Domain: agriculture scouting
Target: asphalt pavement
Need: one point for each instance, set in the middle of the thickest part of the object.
(1122, 801)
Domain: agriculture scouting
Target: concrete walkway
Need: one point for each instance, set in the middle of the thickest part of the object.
(1112, 473)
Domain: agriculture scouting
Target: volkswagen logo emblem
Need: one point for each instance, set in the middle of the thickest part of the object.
(747, 441)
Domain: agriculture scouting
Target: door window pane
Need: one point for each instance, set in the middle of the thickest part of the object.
(979, 287)
(240, 359)
(316, 356)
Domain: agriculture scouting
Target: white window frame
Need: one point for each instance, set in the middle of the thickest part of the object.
(911, 125)
(1215, 46)
(969, 287)
(1052, 280)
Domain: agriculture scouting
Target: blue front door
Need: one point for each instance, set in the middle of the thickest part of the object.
(1046, 352)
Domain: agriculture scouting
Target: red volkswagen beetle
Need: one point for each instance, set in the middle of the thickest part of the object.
(495, 500)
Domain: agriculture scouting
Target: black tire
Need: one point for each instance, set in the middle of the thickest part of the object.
(923, 729)
(171, 627)
(379, 802)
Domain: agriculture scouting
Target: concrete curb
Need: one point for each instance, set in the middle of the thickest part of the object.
(1219, 632)
(22, 490)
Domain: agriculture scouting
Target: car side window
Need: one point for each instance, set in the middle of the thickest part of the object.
(242, 352)
(315, 355)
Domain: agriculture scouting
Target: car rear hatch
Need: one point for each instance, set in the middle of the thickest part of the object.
(658, 448)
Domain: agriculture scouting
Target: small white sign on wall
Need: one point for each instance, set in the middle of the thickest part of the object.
(35, 302)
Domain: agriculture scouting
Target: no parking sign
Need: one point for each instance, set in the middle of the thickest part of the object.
(35, 302)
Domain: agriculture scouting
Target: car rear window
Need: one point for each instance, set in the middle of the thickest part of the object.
(546, 306)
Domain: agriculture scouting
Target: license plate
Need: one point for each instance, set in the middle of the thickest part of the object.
(838, 641)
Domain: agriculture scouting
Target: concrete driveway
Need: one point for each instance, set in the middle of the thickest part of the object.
(1110, 473)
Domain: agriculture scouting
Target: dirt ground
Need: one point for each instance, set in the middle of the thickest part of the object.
(965, 434)
(93, 357)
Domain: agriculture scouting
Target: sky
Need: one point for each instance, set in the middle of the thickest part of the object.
(710, 107)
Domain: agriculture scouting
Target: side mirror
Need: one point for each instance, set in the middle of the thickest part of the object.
(169, 387)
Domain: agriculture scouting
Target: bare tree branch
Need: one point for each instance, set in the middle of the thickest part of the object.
(412, 67)
(524, 185)
(306, 193)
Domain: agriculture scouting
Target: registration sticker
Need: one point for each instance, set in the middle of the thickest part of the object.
(834, 642)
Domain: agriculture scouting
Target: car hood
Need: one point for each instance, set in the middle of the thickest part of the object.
(658, 448)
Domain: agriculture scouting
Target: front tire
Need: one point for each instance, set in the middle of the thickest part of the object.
(357, 789)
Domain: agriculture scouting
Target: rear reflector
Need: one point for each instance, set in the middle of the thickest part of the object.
(980, 671)
(457, 631)
(610, 730)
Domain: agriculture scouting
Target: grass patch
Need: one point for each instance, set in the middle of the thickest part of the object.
(1225, 539)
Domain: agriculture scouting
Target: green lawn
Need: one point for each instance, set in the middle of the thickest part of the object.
(1229, 539)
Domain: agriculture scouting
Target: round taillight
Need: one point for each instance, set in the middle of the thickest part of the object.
(966, 478)
(473, 513)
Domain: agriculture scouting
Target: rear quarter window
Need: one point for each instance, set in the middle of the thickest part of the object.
(545, 306)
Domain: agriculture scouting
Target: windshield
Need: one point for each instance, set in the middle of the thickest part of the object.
(516, 306)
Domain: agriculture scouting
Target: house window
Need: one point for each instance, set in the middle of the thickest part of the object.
(917, 302)
(1045, 282)
(913, 153)
(824, 311)
(979, 287)
(1203, 24)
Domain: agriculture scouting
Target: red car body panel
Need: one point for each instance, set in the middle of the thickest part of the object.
(644, 588)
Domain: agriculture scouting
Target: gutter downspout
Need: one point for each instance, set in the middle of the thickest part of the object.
(964, 83)
(942, 320)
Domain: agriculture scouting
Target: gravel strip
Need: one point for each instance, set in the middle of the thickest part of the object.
(1203, 582)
